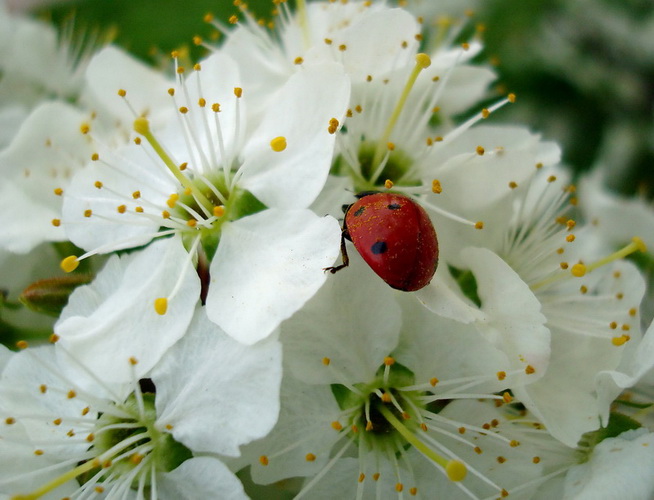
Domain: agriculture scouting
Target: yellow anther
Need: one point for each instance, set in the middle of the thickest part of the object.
(95, 157)
(137, 141)
(513, 184)
(369, 426)
(506, 397)
(298, 60)
(133, 361)
(433, 381)
(71, 394)
(38, 452)
(564, 265)
(310, 457)
(336, 425)
(10, 420)
(435, 109)
(328, 41)
(58, 191)
(333, 125)
(121, 209)
(22, 344)
(570, 238)
(640, 244)
(278, 144)
(85, 128)
(618, 341)
(578, 270)
(165, 214)
(191, 223)
(511, 97)
(513, 443)
(342, 47)
(171, 92)
(399, 487)
(529, 370)
(88, 212)
(233, 19)
(122, 92)
(358, 108)
(238, 92)
(172, 200)
(390, 146)
(208, 17)
(386, 398)
(551, 178)
(480, 150)
(56, 222)
(174, 54)
(501, 375)
(436, 186)
(375, 476)
(197, 67)
(202, 102)
(326, 361)
(632, 311)
(219, 211)
(479, 225)
(69, 264)
(388, 184)
(142, 125)
(161, 305)
(43, 388)
(183, 110)
(98, 184)
(485, 113)
(263, 460)
(455, 470)
(462, 430)
(197, 40)
(389, 361)
(183, 166)
(465, 46)
(180, 70)
(54, 338)
(136, 195)
(362, 476)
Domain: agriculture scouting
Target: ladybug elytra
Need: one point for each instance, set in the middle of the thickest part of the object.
(395, 237)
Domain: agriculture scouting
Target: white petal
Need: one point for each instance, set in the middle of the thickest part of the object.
(441, 297)
(619, 467)
(111, 70)
(301, 112)
(359, 325)
(113, 319)
(513, 320)
(45, 153)
(266, 267)
(216, 393)
(200, 477)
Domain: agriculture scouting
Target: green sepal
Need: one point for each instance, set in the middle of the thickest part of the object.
(50, 295)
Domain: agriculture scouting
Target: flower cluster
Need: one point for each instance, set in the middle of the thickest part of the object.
(208, 342)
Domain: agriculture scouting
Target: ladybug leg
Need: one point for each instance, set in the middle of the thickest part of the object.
(346, 259)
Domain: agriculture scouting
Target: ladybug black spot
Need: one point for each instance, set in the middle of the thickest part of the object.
(379, 247)
(359, 211)
(394, 206)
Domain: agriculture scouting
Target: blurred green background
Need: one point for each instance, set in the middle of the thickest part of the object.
(583, 70)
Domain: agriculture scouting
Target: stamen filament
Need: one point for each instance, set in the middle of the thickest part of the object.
(422, 61)
(142, 126)
(303, 21)
(58, 481)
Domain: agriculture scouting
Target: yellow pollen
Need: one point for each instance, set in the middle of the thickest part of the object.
(375, 476)
(188, 191)
(183, 110)
(22, 344)
(238, 91)
(95, 157)
(38, 452)
(90, 438)
(136, 458)
(399, 487)
(69, 264)
(501, 375)
(386, 397)
(477, 450)
(514, 443)
(137, 141)
(174, 54)
(529, 370)
(197, 40)
(389, 361)
(171, 92)
(328, 41)
(333, 125)
(507, 398)
(53, 338)
(43, 388)
(613, 325)
(480, 150)
(479, 225)
(536, 460)
(462, 430)
(99, 489)
(278, 144)
(578, 270)
(336, 425)
(208, 17)
(485, 113)
(404, 44)
(298, 60)
(85, 128)
(465, 46)
(390, 146)
(358, 108)
(191, 223)
(71, 394)
(583, 289)
(56, 222)
(632, 311)
(433, 382)
(388, 184)
(619, 296)
(570, 238)
(560, 250)
(362, 476)
(625, 328)
(10, 421)
(165, 214)
(58, 191)
(219, 211)
(122, 92)
(136, 195)
(183, 166)
(424, 427)
(233, 19)
(513, 184)
(121, 209)
(342, 47)
(355, 429)
(180, 70)
(310, 457)
(455, 470)
(618, 341)
(511, 97)
(436, 187)
(172, 200)
(369, 78)
(326, 361)
(197, 67)
(564, 265)
(504, 493)
(161, 305)
(215, 107)
(369, 426)
(202, 102)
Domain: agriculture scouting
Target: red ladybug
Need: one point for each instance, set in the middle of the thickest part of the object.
(395, 237)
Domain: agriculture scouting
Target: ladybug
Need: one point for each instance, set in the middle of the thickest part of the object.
(395, 237)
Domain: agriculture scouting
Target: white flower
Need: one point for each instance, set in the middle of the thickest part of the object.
(590, 304)
(156, 436)
(225, 185)
(349, 390)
